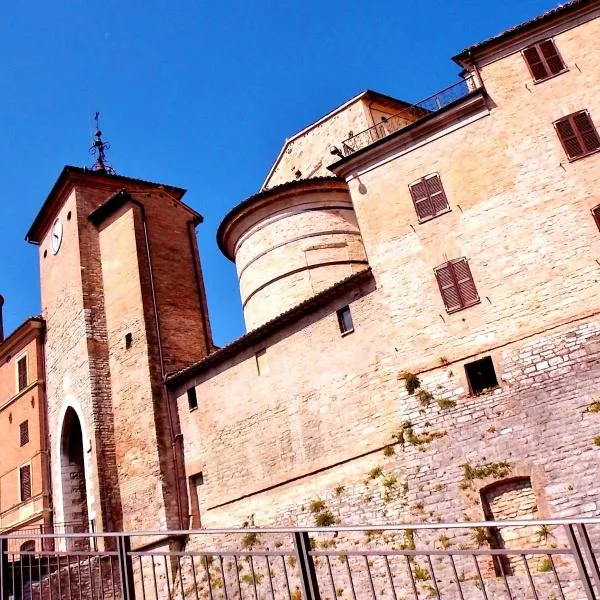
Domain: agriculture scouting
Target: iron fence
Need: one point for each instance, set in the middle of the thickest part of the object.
(545, 560)
(408, 115)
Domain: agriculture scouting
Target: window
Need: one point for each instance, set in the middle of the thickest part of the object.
(345, 320)
(25, 482)
(596, 215)
(192, 398)
(577, 134)
(128, 340)
(456, 285)
(262, 362)
(543, 60)
(22, 373)
(196, 482)
(428, 197)
(481, 375)
(24, 432)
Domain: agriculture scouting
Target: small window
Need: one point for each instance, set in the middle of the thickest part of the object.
(596, 215)
(456, 285)
(196, 483)
(543, 60)
(345, 320)
(128, 340)
(429, 197)
(262, 362)
(24, 432)
(22, 373)
(481, 375)
(192, 398)
(25, 482)
(577, 134)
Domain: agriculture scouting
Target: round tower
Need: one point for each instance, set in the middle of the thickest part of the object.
(291, 242)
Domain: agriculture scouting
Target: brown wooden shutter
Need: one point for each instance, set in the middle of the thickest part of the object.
(24, 432)
(596, 215)
(456, 284)
(25, 476)
(577, 134)
(429, 197)
(22, 373)
(543, 60)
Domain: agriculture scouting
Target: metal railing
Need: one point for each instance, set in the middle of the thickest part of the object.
(541, 560)
(408, 115)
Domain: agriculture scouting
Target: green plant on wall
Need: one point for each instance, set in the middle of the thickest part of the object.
(491, 469)
(411, 382)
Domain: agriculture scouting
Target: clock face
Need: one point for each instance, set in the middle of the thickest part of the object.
(57, 233)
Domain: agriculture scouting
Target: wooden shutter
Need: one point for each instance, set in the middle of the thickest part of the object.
(429, 197)
(543, 60)
(456, 284)
(25, 477)
(22, 373)
(577, 134)
(24, 432)
(596, 215)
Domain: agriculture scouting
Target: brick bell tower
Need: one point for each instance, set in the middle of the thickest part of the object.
(124, 303)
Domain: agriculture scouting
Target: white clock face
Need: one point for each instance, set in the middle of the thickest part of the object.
(57, 233)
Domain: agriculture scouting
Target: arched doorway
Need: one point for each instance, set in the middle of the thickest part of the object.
(74, 489)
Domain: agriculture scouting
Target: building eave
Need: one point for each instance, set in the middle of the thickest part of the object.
(27, 330)
(270, 327)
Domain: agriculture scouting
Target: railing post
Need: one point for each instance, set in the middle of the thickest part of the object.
(4, 572)
(308, 575)
(578, 558)
(126, 568)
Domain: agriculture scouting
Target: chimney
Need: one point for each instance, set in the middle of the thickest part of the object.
(1, 319)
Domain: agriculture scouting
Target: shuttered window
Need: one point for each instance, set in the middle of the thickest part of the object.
(577, 134)
(456, 284)
(596, 215)
(25, 482)
(24, 432)
(543, 60)
(22, 373)
(429, 197)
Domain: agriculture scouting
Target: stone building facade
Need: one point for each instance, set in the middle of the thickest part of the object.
(420, 291)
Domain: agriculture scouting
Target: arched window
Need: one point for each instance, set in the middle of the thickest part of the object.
(507, 500)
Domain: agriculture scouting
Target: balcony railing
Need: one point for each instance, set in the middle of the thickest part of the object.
(505, 560)
(408, 115)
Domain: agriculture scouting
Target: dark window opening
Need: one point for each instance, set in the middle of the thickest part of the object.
(25, 482)
(24, 432)
(195, 482)
(192, 398)
(429, 197)
(345, 320)
(128, 340)
(596, 215)
(577, 134)
(481, 375)
(22, 373)
(544, 60)
(456, 285)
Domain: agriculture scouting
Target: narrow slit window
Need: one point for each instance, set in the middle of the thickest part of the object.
(344, 317)
(192, 398)
(24, 433)
(456, 285)
(429, 197)
(25, 482)
(195, 483)
(544, 60)
(22, 373)
(577, 134)
(128, 340)
(481, 375)
(596, 215)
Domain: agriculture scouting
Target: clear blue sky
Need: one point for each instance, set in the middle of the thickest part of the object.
(201, 95)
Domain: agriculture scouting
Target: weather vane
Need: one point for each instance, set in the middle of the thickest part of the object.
(99, 148)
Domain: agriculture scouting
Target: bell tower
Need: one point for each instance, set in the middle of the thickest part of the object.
(124, 304)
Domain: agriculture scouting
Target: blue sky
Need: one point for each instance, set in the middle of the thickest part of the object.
(201, 95)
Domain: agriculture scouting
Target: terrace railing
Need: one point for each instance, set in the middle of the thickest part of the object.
(554, 559)
(408, 115)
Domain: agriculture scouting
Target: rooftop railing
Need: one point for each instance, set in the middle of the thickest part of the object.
(408, 115)
(510, 560)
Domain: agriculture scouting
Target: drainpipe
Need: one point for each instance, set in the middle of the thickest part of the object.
(476, 68)
(164, 391)
(1, 319)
